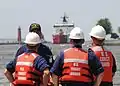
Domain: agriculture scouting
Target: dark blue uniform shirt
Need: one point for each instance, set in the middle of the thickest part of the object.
(43, 51)
(93, 62)
(39, 64)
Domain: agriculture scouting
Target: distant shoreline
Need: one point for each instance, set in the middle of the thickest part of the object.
(9, 43)
(107, 44)
(112, 44)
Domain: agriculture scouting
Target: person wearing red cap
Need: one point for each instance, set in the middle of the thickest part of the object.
(43, 50)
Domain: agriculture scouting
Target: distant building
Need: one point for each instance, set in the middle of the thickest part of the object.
(19, 35)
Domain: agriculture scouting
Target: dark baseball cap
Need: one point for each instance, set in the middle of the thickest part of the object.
(34, 27)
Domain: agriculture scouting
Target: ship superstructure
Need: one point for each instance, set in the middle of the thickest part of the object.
(62, 30)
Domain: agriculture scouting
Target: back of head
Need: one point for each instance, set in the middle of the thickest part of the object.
(32, 39)
(98, 32)
(77, 36)
(34, 27)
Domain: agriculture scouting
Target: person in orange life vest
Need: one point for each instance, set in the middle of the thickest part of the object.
(43, 50)
(74, 66)
(106, 57)
(29, 62)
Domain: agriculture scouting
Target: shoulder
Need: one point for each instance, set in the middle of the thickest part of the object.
(67, 50)
(23, 47)
(90, 51)
(21, 50)
(44, 48)
(60, 56)
(40, 63)
(39, 59)
(61, 53)
(97, 48)
(91, 54)
(108, 50)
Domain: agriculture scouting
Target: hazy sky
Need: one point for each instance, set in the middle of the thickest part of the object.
(84, 13)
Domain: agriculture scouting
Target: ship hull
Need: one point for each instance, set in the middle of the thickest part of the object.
(60, 39)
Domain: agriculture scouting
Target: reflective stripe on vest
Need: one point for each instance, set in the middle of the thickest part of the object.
(105, 56)
(75, 67)
(76, 60)
(24, 65)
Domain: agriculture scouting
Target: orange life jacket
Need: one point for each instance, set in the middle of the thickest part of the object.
(24, 66)
(106, 58)
(75, 67)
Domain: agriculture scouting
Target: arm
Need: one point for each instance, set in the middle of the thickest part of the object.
(10, 69)
(55, 80)
(45, 52)
(96, 67)
(50, 56)
(114, 67)
(20, 51)
(56, 70)
(9, 76)
(46, 75)
(40, 65)
(11, 66)
(98, 79)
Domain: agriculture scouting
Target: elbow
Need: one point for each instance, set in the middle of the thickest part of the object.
(101, 75)
(47, 72)
(5, 72)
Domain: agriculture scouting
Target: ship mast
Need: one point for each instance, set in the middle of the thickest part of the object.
(65, 18)
(62, 30)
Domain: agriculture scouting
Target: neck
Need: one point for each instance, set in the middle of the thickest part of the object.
(77, 46)
(97, 44)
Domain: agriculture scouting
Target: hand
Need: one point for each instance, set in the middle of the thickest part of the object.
(12, 84)
(50, 83)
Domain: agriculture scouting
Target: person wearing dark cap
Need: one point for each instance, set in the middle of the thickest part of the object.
(43, 50)
(34, 27)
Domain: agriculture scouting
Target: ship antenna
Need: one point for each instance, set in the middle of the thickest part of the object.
(64, 18)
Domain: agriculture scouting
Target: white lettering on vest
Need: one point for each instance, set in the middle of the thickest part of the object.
(75, 64)
(75, 73)
(105, 64)
(21, 73)
(21, 78)
(25, 63)
(75, 69)
(105, 58)
(22, 69)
